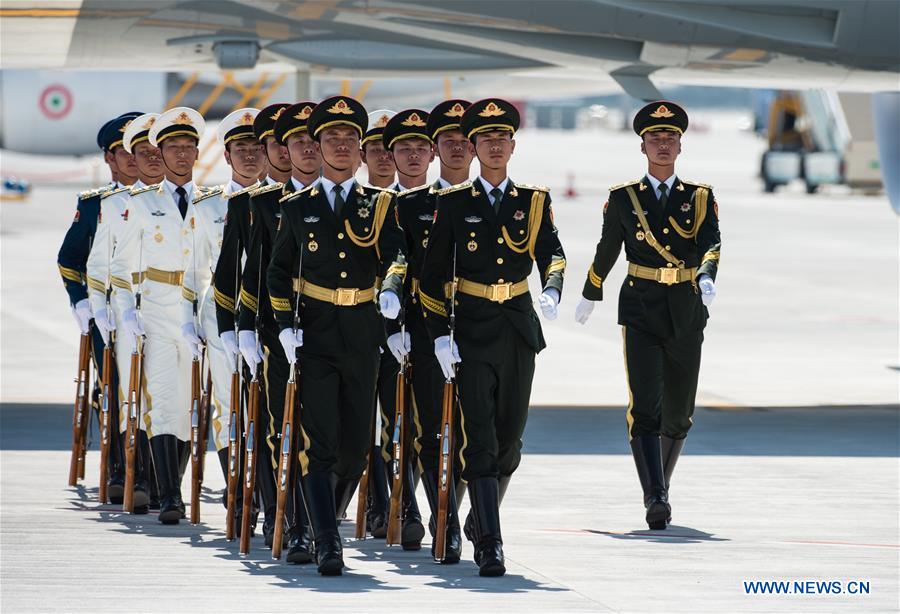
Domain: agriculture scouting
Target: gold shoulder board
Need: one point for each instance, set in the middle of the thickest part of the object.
(624, 185)
(454, 188)
(297, 193)
(413, 190)
(266, 188)
(94, 192)
(528, 186)
(146, 188)
(249, 188)
(116, 191)
(697, 184)
(209, 192)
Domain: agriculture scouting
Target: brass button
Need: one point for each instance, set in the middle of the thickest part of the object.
(500, 240)
(471, 234)
(687, 221)
(342, 255)
(366, 229)
(665, 231)
(669, 264)
(668, 248)
(499, 260)
(499, 281)
(311, 235)
(186, 251)
(343, 274)
(340, 235)
(426, 232)
(630, 283)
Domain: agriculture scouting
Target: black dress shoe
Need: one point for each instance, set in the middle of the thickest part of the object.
(115, 490)
(411, 533)
(659, 513)
(300, 549)
(169, 512)
(491, 562)
(377, 525)
(268, 534)
(330, 555)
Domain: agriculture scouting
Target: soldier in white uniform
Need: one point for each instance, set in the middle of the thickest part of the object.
(245, 156)
(113, 212)
(151, 247)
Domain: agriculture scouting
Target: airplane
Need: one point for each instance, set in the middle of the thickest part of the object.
(844, 45)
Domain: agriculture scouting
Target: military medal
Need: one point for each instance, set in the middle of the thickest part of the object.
(640, 235)
(686, 207)
(519, 215)
(158, 237)
(472, 245)
(312, 246)
(363, 212)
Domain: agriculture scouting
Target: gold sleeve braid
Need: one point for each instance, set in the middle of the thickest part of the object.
(280, 304)
(119, 282)
(250, 301)
(433, 305)
(71, 274)
(556, 265)
(96, 284)
(224, 301)
(595, 279)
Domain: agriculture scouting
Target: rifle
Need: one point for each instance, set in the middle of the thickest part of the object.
(105, 388)
(400, 451)
(250, 436)
(445, 464)
(135, 380)
(197, 453)
(289, 438)
(363, 494)
(80, 413)
(234, 427)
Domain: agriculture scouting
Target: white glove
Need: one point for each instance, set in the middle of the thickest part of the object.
(549, 300)
(390, 304)
(132, 324)
(229, 342)
(250, 349)
(583, 310)
(103, 320)
(290, 342)
(707, 289)
(399, 344)
(189, 333)
(446, 356)
(83, 315)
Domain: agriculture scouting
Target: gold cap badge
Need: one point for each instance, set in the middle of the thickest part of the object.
(456, 110)
(246, 119)
(662, 111)
(183, 119)
(492, 110)
(304, 112)
(340, 108)
(413, 120)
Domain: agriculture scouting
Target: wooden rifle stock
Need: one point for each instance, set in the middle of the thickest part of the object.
(106, 388)
(361, 497)
(133, 413)
(286, 483)
(80, 411)
(399, 455)
(195, 440)
(234, 453)
(249, 463)
(445, 469)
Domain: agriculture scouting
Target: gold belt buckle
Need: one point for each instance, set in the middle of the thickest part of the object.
(346, 297)
(668, 276)
(501, 292)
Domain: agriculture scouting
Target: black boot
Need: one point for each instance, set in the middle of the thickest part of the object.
(453, 544)
(143, 473)
(503, 483)
(149, 471)
(343, 492)
(165, 460)
(223, 462)
(115, 485)
(412, 530)
(319, 493)
(484, 493)
(265, 481)
(377, 499)
(671, 450)
(648, 460)
(300, 546)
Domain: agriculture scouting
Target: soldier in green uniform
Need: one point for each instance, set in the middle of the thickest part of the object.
(490, 231)
(670, 229)
(416, 210)
(306, 163)
(336, 238)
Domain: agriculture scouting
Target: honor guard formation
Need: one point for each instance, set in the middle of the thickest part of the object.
(335, 337)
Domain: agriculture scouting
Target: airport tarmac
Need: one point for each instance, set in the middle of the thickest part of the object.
(790, 472)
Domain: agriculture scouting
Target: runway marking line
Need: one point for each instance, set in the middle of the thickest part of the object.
(812, 542)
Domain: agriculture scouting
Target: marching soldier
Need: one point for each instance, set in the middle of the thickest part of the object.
(113, 212)
(416, 210)
(72, 264)
(244, 156)
(670, 229)
(336, 238)
(149, 253)
(289, 131)
(489, 231)
(236, 236)
(381, 174)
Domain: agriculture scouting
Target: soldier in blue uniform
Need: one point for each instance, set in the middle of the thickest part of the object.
(670, 229)
(72, 264)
